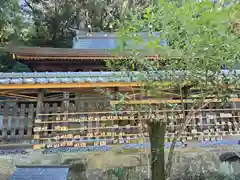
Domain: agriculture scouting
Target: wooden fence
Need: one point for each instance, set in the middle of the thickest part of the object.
(94, 119)
(16, 122)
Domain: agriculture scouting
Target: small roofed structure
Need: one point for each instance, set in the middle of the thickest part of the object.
(40, 173)
(229, 162)
(229, 157)
(88, 53)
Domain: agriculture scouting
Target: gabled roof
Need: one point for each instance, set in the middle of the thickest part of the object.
(47, 53)
(32, 53)
(87, 46)
(40, 173)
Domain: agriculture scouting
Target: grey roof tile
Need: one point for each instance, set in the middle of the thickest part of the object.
(92, 77)
(41, 173)
(16, 81)
(28, 80)
(62, 77)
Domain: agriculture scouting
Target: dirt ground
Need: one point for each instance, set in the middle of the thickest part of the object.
(114, 158)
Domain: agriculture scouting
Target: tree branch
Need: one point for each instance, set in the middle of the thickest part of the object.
(188, 119)
(29, 5)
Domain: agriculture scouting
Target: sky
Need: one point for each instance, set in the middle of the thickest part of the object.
(21, 1)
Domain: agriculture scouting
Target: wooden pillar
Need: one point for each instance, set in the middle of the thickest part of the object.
(77, 101)
(30, 120)
(5, 122)
(66, 107)
(79, 104)
(38, 119)
(14, 127)
(113, 130)
(22, 119)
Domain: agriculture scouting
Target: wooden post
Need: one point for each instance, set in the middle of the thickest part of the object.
(55, 118)
(77, 101)
(30, 120)
(22, 119)
(5, 122)
(66, 107)
(38, 111)
(14, 122)
(90, 107)
(116, 90)
(46, 110)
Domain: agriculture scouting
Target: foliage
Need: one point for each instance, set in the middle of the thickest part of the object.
(199, 44)
(52, 23)
(9, 17)
(205, 176)
(7, 64)
(55, 21)
(11, 30)
(51, 20)
(133, 173)
(197, 48)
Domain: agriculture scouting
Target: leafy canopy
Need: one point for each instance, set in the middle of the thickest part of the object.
(54, 21)
(199, 42)
(11, 29)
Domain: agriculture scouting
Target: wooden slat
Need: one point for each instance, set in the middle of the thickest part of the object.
(72, 108)
(54, 117)
(46, 118)
(8, 137)
(62, 109)
(157, 101)
(87, 106)
(5, 121)
(66, 107)
(39, 109)
(30, 119)
(14, 121)
(81, 108)
(22, 119)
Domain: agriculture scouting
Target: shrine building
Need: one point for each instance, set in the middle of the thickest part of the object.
(88, 53)
(70, 100)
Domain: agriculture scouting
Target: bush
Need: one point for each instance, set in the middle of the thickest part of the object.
(205, 176)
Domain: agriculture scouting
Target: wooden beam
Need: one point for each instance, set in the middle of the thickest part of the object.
(69, 85)
(39, 102)
(17, 95)
(159, 101)
(103, 113)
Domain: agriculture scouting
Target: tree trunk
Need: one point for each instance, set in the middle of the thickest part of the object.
(171, 155)
(156, 134)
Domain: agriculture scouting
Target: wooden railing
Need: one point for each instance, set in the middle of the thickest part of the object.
(94, 122)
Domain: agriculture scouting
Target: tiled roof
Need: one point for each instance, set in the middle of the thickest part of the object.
(81, 77)
(36, 53)
(40, 173)
(95, 46)
(66, 77)
(55, 52)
